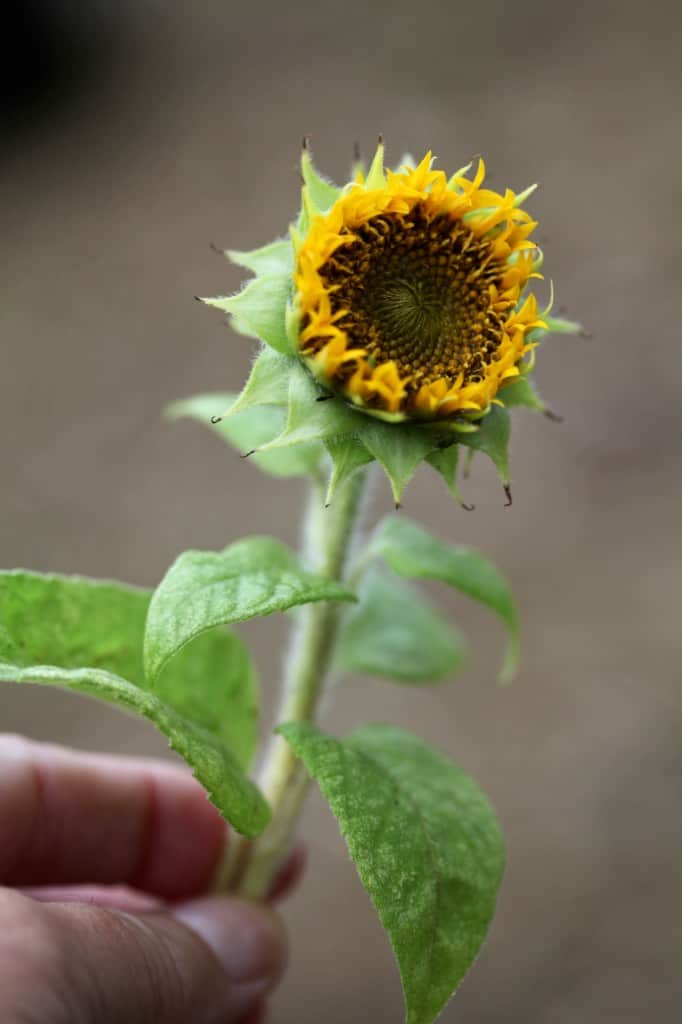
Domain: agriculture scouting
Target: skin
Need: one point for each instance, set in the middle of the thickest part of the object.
(104, 867)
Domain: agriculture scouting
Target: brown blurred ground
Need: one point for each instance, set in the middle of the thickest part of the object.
(192, 137)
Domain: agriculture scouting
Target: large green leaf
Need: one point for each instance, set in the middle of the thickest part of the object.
(87, 636)
(248, 430)
(426, 844)
(412, 551)
(393, 632)
(204, 589)
(260, 307)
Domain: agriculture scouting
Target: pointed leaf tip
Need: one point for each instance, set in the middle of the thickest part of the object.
(376, 177)
(319, 194)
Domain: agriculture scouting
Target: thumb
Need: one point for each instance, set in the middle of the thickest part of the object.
(209, 962)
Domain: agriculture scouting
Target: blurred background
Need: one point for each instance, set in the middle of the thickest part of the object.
(136, 134)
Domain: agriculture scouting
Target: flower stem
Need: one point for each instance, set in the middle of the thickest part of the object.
(328, 534)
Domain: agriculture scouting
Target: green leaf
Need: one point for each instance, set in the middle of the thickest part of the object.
(412, 551)
(399, 448)
(86, 636)
(274, 258)
(394, 633)
(321, 192)
(426, 845)
(248, 430)
(313, 417)
(446, 462)
(260, 308)
(492, 438)
(204, 589)
(348, 455)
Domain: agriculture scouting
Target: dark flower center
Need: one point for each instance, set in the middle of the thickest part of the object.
(417, 291)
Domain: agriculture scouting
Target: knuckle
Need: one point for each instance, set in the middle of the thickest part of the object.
(30, 962)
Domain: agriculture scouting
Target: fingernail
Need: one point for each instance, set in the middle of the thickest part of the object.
(248, 940)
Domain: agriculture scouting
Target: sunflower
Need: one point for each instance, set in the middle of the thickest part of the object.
(408, 291)
(396, 325)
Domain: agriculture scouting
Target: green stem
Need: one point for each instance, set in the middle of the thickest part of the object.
(251, 866)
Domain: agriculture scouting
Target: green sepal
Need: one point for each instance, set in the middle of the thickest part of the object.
(558, 325)
(260, 309)
(446, 462)
(407, 160)
(247, 430)
(554, 325)
(204, 589)
(268, 382)
(323, 194)
(522, 393)
(411, 551)
(292, 324)
(526, 194)
(348, 455)
(399, 448)
(87, 636)
(492, 438)
(394, 633)
(426, 844)
(275, 258)
(312, 416)
(376, 178)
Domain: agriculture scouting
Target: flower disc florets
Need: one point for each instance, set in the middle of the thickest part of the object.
(408, 293)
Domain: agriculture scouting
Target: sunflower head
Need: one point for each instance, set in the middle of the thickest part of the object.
(396, 320)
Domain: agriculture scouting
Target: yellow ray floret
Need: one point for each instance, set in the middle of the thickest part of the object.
(409, 292)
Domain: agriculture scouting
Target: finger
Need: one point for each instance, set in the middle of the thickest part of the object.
(122, 897)
(257, 1015)
(68, 817)
(114, 897)
(211, 964)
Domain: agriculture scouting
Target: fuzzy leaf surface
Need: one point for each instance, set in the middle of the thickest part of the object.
(399, 448)
(411, 551)
(393, 632)
(268, 382)
(85, 635)
(426, 844)
(522, 393)
(322, 192)
(249, 429)
(204, 589)
(446, 462)
(274, 258)
(348, 455)
(311, 417)
(492, 438)
(260, 308)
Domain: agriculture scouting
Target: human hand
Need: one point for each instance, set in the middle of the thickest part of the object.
(104, 861)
